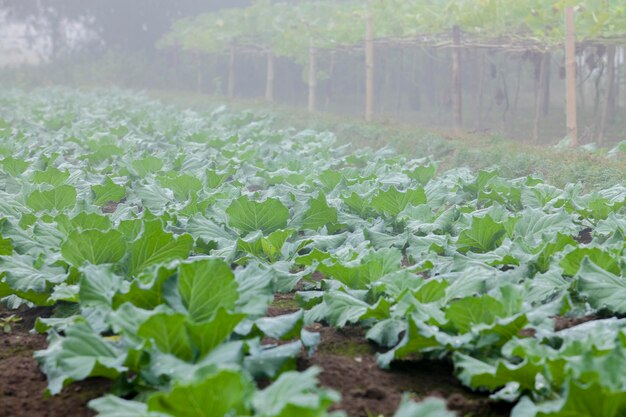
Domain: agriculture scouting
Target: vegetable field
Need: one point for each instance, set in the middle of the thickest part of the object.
(211, 265)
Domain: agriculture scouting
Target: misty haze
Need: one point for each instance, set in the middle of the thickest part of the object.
(348, 208)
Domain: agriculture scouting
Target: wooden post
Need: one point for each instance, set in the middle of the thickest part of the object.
(481, 91)
(312, 76)
(369, 66)
(610, 92)
(456, 78)
(269, 83)
(570, 70)
(547, 84)
(199, 76)
(331, 74)
(231, 73)
(540, 96)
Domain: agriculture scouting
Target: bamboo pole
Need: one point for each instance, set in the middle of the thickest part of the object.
(481, 91)
(610, 92)
(456, 78)
(269, 83)
(231, 74)
(369, 66)
(312, 76)
(540, 94)
(570, 69)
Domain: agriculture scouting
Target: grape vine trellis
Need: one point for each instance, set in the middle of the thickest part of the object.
(302, 31)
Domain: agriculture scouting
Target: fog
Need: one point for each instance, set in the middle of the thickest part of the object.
(510, 88)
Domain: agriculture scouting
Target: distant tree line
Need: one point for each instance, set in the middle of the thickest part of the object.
(124, 25)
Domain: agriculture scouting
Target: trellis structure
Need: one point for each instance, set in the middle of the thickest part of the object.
(304, 30)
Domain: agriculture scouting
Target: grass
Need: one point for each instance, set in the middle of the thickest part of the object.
(513, 158)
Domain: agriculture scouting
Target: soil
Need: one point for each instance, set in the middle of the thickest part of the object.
(348, 364)
(584, 236)
(562, 323)
(23, 386)
(347, 360)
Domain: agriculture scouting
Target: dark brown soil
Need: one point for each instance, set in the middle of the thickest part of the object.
(562, 323)
(349, 366)
(23, 386)
(584, 236)
(282, 304)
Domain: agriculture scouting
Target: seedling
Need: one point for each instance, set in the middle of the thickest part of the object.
(7, 322)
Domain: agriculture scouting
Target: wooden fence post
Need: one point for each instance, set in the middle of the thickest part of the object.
(231, 73)
(570, 69)
(456, 78)
(610, 92)
(369, 65)
(312, 76)
(540, 97)
(269, 84)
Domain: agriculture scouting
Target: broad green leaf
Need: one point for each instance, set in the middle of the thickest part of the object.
(111, 406)
(249, 216)
(484, 235)
(206, 286)
(108, 192)
(225, 393)
(59, 198)
(207, 335)
(52, 176)
(393, 201)
(147, 165)
(94, 246)
(183, 185)
(430, 407)
(602, 288)
(294, 394)
(79, 354)
(168, 333)
(155, 246)
(319, 214)
(13, 166)
(25, 273)
(467, 312)
(572, 261)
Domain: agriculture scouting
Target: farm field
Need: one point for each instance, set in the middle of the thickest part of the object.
(182, 264)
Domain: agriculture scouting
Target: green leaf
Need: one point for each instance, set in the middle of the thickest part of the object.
(79, 354)
(430, 407)
(285, 327)
(169, 334)
(52, 176)
(98, 286)
(602, 288)
(94, 246)
(13, 166)
(393, 201)
(206, 286)
(208, 335)
(249, 216)
(108, 192)
(319, 214)
(147, 165)
(25, 273)
(572, 261)
(423, 173)
(294, 394)
(59, 198)
(225, 393)
(484, 235)
(183, 185)
(112, 406)
(467, 312)
(155, 246)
